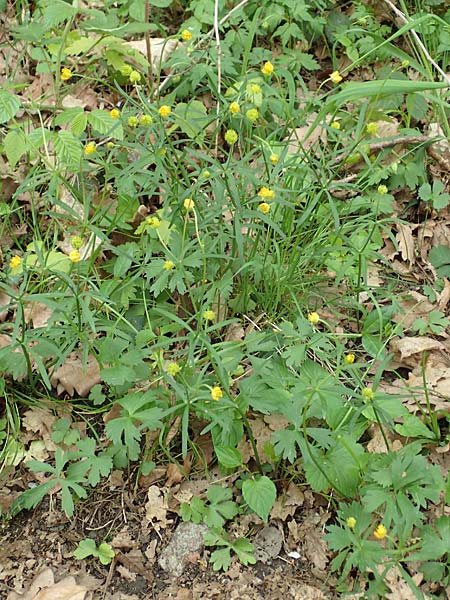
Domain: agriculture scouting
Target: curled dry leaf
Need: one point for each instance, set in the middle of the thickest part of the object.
(73, 376)
(414, 345)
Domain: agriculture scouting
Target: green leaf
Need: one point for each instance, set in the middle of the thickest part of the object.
(191, 118)
(221, 559)
(381, 88)
(102, 123)
(413, 427)
(105, 553)
(439, 257)
(85, 548)
(161, 3)
(228, 457)
(260, 494)
(9, 106)
(68, 148)
(244, 551)
(15, 146)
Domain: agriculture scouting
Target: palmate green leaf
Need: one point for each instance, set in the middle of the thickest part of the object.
(355, 90)
(68, 148)
(221, 559)
(85, 548)
(9, 106)
(102, 123)
(244, 550)
(191, 118)
(260, 494)
(105, 553)
(439, 257)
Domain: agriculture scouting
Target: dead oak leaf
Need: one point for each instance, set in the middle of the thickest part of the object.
(73, 376)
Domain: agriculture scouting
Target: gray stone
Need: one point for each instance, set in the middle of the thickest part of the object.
(188, 538)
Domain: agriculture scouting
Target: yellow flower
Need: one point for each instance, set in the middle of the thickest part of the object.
(133, 121)
(231, 137)
(164, 110)
(264, 208)
(15, 262)
(146, 120)
(90, 148)
(66, 74)
(255, 88)
(335, 125)
(380, 532)
(314, 318)
(76, 242)
(351, 522)
(274, 158)
(209, 315)
(405, 64)
(336, 77)
(188, 203)
(154, 222)
(267, 68)
(372, 128)
(368, 394)
(134, 77)
(234, 108)
(126, 70)
(382, 189)
(266, 193)
(252, 114)
(173, 369)
(186, 35)
(216, 393)
(349, 359)
(168, 265)
(114, 113)
(75, 256)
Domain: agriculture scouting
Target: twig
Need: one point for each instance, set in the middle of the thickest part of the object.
(201, 41)
(219, 67)
(415, 35)
(148, 44)
(379, 145)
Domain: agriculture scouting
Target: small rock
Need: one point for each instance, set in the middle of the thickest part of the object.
(268, 544)
(188, 538)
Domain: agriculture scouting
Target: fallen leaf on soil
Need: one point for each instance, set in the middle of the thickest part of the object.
(44, 588)
(73, 377)
(405, 241)
(156, 508)
(38, 313)
(160, 49)
(408, 346)
(412, 306)
(316, 548)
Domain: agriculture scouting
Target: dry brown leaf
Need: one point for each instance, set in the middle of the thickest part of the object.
(156, 508)
(44, 588)
(73, 377)
(316, 548)
(161, 48)
(174, 474)
(405, 242)
(39, 422)
(408, 346)
(412, 306)
(38, 313)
